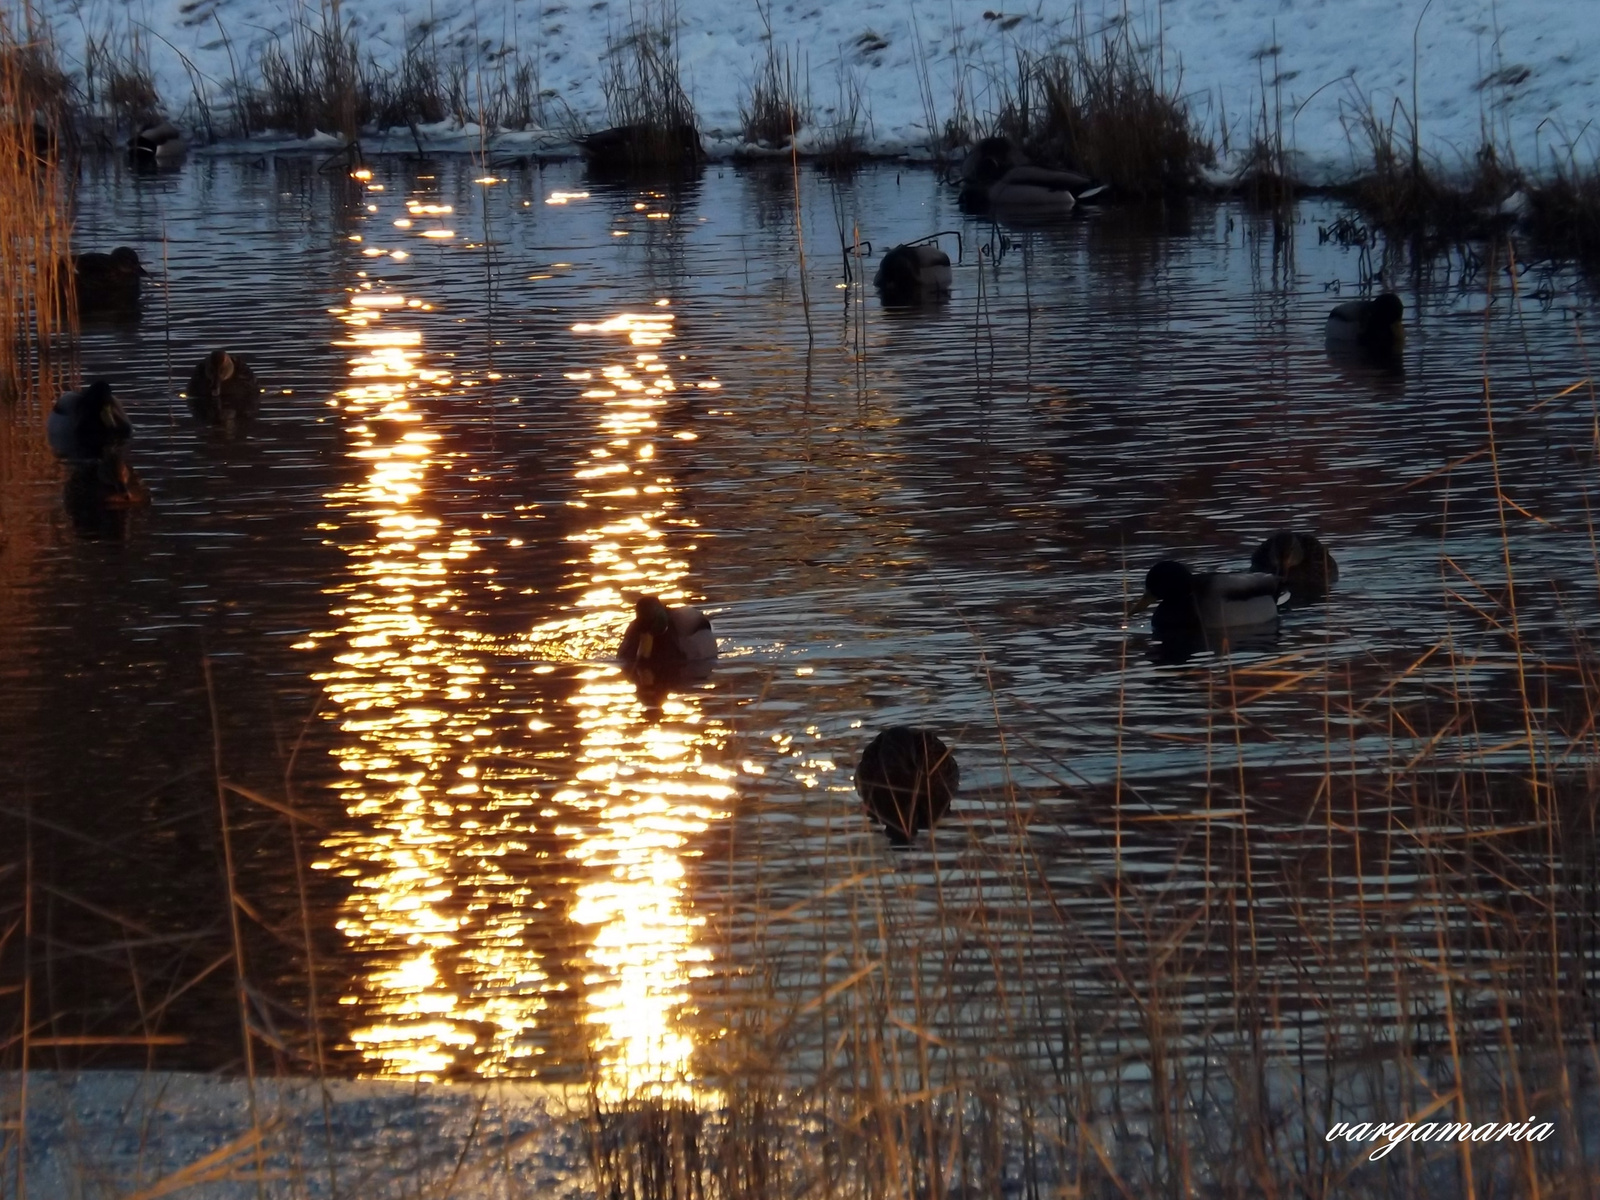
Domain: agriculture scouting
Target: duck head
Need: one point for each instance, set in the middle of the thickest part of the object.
(1169, 579)
(125, 261)
(989, 159)
(98, 399)
(653, 623)
(219, 369)
(1283, 552)
(1387, 309)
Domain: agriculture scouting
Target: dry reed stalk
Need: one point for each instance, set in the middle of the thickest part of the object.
(1102, 106)
(38, 322)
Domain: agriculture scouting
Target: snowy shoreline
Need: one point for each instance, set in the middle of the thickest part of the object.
(1524, 73)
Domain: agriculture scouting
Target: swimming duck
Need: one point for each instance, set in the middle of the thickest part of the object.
(913, 274)
(659, 636)
(906, 778)
(86, 423)
(1375, 325)
(158, 144)
(223, 390)
(1190, 604)
(997, 178)
(108, 281)
(1301, 561)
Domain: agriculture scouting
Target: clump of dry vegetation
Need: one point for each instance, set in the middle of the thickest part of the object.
(776, 108)
(1564, 212)
(39, 315)
(1403, 193)
(652, 124)
(1099, 105)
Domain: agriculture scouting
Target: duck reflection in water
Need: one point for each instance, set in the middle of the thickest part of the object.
(101, 495)
(666, 649)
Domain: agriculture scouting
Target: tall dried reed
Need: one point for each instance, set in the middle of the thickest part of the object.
(1101, 105)
(39, 316)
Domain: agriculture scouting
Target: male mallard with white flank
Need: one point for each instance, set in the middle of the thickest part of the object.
(108, 281)
(223, 389)
(659, 636)
(907, 778)
(996, 177)
(1375, 325)
(159, 143)
(1301, 561)
(913, 274)
(1215, 600)
(86, 423)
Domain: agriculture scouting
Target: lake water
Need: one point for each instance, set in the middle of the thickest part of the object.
(499, 401)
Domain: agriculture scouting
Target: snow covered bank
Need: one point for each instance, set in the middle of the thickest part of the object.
(147, 1133)
(1525, 70)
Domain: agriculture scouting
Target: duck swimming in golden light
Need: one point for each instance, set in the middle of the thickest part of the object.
(907, 778)
(1301, 561)
(661, 637)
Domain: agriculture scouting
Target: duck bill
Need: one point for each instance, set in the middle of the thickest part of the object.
(1142, 603)
(647, 645)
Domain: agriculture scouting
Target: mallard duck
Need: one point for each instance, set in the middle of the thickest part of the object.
(907, 778)
(1190, 604)
(1301, 561)
(996, 177)
(661, 637)
(86, 423)
(108, 281)
(913, 274)
(158, 143)
(1376, 325)
(223, 389)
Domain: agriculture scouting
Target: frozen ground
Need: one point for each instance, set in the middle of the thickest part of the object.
(1526, 68)
(122, 1133)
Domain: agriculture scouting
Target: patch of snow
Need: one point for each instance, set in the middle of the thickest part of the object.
(373, 1138)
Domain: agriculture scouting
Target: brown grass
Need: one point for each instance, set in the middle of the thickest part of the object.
(777, 107)
(1099, 105)
(39, 319)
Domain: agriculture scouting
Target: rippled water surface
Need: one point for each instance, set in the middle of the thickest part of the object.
(498, 403)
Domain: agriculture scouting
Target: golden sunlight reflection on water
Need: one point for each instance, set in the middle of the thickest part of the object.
(647, 782)
(450, 980)
(445, 929)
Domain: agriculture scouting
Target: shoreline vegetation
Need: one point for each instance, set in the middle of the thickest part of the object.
(1102, 102)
